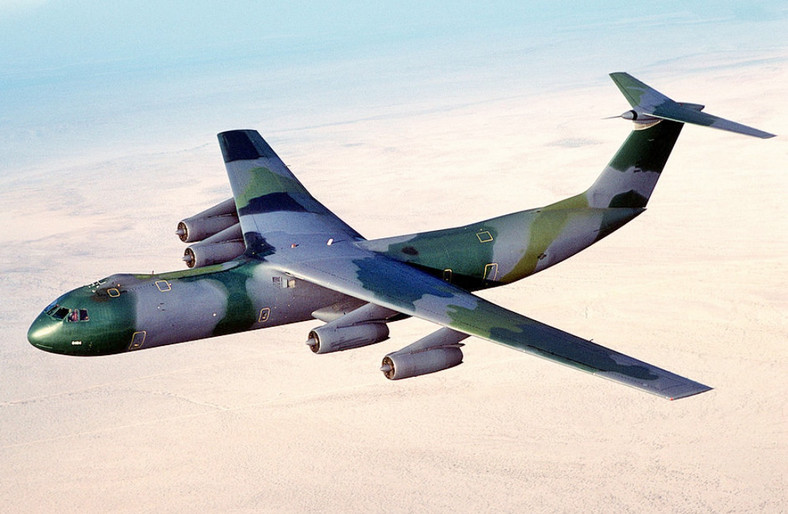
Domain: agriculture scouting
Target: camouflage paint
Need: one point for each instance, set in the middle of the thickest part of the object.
(176, 307)
(649, 103)
(301, 259)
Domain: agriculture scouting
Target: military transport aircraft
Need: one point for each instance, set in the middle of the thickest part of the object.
(273, 255)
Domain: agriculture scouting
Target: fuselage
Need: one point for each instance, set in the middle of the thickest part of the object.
(127, 312)
(508, 248)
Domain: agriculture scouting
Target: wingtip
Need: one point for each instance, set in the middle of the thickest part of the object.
(243, 145)
(699, 390)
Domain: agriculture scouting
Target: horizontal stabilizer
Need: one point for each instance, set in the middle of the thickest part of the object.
(647, 101)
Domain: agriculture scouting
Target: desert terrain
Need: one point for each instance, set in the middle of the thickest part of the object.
(256, 422)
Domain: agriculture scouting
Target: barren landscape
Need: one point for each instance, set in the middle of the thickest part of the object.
(256, 422)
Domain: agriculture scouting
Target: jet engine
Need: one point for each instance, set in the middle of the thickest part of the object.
(361, 327)
(435, 352)
(208, 222)
(222, 247)
(327, 339)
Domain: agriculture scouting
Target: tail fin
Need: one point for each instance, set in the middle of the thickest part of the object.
(630, 177)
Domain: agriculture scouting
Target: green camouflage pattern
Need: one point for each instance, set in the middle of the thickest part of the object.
(168, 308)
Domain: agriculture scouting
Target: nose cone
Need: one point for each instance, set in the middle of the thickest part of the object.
(84, 323)
(43, 333)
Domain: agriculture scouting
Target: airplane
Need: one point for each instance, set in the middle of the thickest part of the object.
(274, 255)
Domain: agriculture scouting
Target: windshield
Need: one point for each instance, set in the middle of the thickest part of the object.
(70, 315)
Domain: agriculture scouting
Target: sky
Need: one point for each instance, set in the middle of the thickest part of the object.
(400, 117)
(116, 76)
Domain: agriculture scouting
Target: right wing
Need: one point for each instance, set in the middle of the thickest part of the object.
(375, 278)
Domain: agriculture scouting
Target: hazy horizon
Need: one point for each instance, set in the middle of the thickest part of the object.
(399, 119)
(80, 76)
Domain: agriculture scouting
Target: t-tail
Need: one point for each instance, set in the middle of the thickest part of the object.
(630, 177)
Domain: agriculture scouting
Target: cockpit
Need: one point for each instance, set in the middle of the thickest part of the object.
(85, 322)
(58, 312)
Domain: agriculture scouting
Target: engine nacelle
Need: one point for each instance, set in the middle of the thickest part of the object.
(330, 338)
(222, 247)
(208, 222)
(204, 254)
(434, 352)
(400, 365)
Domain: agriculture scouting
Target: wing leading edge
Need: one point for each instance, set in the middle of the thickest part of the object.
(372, 277)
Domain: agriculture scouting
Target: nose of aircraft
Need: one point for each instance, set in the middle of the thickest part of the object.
(81, 322)
(43, 333)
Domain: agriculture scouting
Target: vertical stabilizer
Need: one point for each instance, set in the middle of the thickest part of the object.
(630, 177)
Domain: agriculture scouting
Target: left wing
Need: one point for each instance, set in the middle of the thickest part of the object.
(375, 278)
(269, 197)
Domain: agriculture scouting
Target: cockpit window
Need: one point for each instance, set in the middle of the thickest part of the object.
(60, 313)
(70, 315)
(78, 315)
